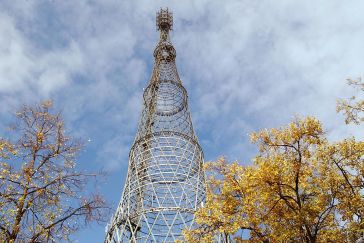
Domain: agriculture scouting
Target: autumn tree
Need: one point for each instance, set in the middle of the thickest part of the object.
(301, 188)
(352, 108)
(42, 196)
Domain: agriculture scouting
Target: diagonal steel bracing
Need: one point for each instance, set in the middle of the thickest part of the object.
(165, 180)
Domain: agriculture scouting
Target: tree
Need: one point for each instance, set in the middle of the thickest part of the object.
(41, 192)
(301, 188)
(352, 108)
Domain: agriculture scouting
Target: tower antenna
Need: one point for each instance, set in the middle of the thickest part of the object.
(165, 183)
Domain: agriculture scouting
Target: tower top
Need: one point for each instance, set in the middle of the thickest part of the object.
(164, 20)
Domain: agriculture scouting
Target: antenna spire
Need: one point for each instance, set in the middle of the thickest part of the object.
(164, 20)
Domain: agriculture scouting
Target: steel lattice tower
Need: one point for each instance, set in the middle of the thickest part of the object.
(165, 180)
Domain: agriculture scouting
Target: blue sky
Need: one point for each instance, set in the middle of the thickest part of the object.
(246, 65)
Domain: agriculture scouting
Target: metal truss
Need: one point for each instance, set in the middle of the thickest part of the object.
(165, 180)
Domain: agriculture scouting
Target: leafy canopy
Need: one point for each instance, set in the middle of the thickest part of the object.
(301, 188)
(42, 195)
(352, 108)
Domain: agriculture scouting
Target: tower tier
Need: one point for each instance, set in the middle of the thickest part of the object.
(165, 180)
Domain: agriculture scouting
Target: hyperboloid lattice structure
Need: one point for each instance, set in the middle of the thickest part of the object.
(165, 180)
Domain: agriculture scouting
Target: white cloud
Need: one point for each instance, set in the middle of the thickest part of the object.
(15, 63)
(268, 56)
(246, 65)
(28, 74)
(256, 63)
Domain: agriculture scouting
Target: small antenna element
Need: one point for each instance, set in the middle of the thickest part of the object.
(164, 20)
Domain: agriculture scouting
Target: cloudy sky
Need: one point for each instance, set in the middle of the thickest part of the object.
(246, 65)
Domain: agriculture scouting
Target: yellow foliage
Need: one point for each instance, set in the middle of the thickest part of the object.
(40, 187)
(301, 188)
(352, 108)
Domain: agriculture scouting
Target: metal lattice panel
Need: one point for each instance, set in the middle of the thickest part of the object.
(165, 181)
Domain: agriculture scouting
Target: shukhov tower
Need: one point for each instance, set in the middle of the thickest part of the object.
(165, 180)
